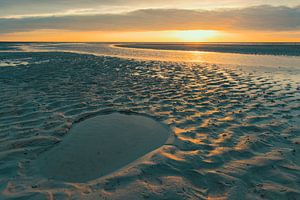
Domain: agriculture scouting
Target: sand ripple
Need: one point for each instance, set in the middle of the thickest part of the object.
(236, 134)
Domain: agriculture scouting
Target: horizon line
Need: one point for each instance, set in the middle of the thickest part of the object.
(138, 42)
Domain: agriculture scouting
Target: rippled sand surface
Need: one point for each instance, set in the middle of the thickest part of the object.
(236, 133)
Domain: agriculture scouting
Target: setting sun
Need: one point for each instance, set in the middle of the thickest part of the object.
(195, 35)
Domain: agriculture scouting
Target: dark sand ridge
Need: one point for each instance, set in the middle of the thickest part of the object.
(288, 49)
(101, 145)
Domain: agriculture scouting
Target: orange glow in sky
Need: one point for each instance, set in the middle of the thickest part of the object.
(151, 36)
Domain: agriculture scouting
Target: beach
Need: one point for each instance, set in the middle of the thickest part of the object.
(219, 130)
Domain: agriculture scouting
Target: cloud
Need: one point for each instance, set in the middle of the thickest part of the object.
(33, 7)
(262, 18)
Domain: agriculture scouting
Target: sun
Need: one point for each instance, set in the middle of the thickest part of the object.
(195, 35)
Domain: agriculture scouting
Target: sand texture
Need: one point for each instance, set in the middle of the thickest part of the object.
(236, 132)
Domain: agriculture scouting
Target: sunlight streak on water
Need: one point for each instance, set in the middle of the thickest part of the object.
(169, 55)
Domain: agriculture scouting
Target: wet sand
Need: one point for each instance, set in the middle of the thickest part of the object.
(236, 131)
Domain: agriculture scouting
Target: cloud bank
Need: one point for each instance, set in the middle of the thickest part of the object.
(21, 7)
(261, 18)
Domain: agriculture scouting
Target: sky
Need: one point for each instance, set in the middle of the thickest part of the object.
(150, 21)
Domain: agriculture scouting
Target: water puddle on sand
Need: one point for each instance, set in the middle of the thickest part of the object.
(101, 145)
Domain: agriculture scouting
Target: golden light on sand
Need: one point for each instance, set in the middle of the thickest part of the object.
(195, 35)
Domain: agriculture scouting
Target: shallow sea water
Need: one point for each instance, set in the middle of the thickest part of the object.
(236, 130)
